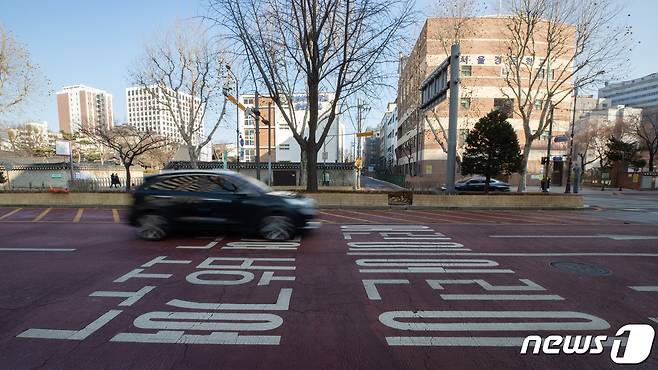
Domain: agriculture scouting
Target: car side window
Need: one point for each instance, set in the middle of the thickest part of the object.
(173, 183)
(221, 184)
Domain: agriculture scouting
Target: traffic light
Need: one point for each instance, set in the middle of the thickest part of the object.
(544, 160)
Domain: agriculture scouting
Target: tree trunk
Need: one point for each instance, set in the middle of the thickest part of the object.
(303, 169)
(191, 151)
(128, 180)
(651, 156)
(524, 166)
(311, 171)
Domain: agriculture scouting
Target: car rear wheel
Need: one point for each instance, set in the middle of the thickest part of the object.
(152, 227)
(277, 227)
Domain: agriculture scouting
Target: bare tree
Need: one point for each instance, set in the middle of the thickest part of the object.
(589, 142)
(302, 48)
(18, 74)
(128, 143)
(645, 130)
(185, 73)
(553, 46)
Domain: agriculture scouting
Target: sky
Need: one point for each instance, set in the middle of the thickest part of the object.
(96, 43)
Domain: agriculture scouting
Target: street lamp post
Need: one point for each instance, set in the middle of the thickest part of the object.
(567, 188)
(547, 179)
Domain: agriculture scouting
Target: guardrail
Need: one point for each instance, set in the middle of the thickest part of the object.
(335, 199)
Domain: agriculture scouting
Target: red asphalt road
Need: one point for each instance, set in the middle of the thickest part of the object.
(330, 322)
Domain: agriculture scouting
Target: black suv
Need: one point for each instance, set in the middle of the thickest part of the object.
(217, 200)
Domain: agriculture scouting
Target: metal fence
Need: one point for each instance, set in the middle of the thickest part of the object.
(101, 184)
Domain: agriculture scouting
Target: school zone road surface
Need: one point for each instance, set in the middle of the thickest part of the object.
(370, 290)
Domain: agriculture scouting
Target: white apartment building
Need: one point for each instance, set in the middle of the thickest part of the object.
(639, 93)
(388, 136)
(147, 112)
(283, 145)
(83, 107)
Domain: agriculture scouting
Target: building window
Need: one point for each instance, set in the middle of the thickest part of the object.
(504, 72)
(249, 155)
(249, 121)
(466, 71)
(249, 136)
(538, 103)
(248, 101)
(284, 146)
(465, 103)
(504, 105)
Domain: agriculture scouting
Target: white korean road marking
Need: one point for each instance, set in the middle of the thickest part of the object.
(131, 297)
(645, 288)
(371, 288)
(282, 304)
(605, 236)
(136, 273)
(207, 246)
(71, 334)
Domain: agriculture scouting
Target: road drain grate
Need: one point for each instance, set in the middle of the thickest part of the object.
(581, 268)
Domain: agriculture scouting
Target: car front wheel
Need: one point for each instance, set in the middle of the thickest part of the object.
(277, 227)
(152, 227)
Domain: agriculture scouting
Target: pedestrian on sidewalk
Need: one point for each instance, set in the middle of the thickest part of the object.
(112, 180)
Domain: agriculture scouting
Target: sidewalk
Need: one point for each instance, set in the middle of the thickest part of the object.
(594, 190)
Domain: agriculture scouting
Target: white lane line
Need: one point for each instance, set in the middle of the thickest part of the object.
(645, 288)
(604, 236)
(506, 254)
(37, 249)
(501, 297)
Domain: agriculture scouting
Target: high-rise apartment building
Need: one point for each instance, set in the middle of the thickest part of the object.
(482, 88)
(638, 93)
(147, 112)
(82, 107)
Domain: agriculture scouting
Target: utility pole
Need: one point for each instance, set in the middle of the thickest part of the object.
(547, 179)
(269, 142)
(357, 179)
(567, 188)
(453, 117)
(257, 119)
(237, 119)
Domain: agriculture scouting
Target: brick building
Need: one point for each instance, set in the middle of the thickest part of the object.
(482, 89)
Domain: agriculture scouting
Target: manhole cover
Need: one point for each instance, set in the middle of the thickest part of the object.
(582, 268)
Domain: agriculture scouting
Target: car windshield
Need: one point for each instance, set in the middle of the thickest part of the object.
(251, 184)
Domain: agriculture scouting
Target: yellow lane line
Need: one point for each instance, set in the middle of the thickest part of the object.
(115, 216)
(42, 214)
(10, 213)
(351, 218)
(78, 215)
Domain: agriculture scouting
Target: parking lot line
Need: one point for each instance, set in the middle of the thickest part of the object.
(42, 214)
(115, 215)
(78, 215)
(10, 213)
